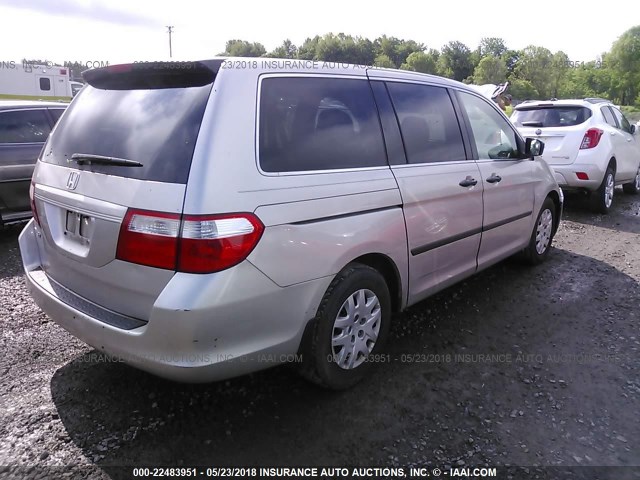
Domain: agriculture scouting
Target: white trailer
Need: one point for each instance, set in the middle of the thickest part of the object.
(38, 81)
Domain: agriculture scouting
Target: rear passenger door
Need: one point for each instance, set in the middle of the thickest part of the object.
(509, 181)
(441, 189)
(22, 135)
(627, 152)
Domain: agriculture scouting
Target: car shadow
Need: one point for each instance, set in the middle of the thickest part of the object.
(624, 208)
(9, 250)
(430, 399)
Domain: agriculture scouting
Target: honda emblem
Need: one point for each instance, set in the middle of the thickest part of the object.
(72, 181)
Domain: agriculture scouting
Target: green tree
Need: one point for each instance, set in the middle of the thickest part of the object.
(491, 69)
(455, 61)
(624, 61)
(523, 90)
(307, 50)
(243, 48)
(383, 61)
(511, 58)
(397, 50)
(535, 65)
(286, 50)
(422, 62)
(559, 69)
(494, 46)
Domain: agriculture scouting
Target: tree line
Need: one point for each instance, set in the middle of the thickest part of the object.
(534, 72)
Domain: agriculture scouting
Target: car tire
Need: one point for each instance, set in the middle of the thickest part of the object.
(602, 199)
(354, 313)
(633, 188)
(542, 236)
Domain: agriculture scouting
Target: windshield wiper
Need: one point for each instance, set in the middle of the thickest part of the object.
(532, 124)
(82, 158)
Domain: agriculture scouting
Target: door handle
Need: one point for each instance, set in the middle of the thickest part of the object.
(468, 182)
(628, 139)
(494, 178)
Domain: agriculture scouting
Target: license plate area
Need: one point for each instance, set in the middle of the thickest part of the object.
(78, 225)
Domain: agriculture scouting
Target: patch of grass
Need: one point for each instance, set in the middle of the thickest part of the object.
(34, 97)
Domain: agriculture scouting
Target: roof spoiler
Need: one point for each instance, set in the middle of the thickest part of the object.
(153, 75)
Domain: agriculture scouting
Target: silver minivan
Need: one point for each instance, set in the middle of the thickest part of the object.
(207, 219)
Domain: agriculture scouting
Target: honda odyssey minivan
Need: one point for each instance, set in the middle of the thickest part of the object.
(208, 219)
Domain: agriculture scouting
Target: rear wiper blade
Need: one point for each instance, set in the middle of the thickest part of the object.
(82, 158)
(532, 124)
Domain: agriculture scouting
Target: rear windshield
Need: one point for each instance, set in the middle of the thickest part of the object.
(157, 127)
(556, 116)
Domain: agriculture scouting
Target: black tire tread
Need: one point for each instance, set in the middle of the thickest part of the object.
(309, 367)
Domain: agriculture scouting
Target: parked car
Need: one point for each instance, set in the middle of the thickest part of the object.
(201, 221)
(24, 127)
(75, 87)
(589, 144)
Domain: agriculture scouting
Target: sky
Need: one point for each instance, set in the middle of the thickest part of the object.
(118, 31)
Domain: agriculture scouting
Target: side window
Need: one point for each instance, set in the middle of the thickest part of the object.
(45, 84)
(622, 120)
(494, 137)
(608, 116)
(428, 123)
(24, 126)
(318, 124)
(56, 113)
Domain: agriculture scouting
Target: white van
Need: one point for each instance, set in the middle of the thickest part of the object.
(34, 80)
(208, 219)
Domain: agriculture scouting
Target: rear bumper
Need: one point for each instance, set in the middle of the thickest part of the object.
(566, 176)
(202, 327)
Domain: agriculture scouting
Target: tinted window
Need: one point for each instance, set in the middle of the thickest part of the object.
(156, 127)
(428, 123)
(556, 116)
(56, 113)
(24, 126)
(608, 116)
(45, 84)
(318, 124)
(622, 120)
(494, 138)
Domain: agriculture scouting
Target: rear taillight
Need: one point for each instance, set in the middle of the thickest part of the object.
(192, 244)
(32, 199)
(214, 243)
(149, 238)
(591, 138)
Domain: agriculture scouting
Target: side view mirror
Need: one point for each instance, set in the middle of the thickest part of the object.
(633, 129)
(533, 147)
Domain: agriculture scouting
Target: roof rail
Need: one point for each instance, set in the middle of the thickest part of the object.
(596, 100)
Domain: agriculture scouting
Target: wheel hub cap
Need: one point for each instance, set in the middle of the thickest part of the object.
(608, 191)
(543, 231)
(356, 329)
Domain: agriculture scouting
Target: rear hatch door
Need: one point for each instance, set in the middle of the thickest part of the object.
(560, 127)
(126, 141)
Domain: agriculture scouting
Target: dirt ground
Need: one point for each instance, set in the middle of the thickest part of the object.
(516, 366)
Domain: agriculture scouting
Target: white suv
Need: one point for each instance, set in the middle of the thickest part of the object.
(589, 144)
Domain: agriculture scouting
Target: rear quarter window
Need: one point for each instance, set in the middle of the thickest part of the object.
(556, 116)
(318, 124)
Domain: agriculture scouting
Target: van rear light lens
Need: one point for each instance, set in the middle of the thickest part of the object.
(32, 199)
(591, 138)
(191, 244)
(582, 176)
(149, 238)
(210, 243)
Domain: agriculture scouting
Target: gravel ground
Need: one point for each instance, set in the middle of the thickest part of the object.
(516, 366)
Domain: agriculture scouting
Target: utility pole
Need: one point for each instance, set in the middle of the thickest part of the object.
(170, 31)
